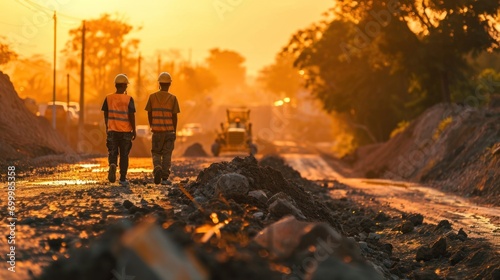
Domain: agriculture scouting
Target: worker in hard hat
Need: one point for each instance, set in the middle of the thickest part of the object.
(119, 116)
(162, 108)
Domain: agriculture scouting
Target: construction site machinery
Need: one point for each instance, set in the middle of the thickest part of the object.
(235, 134)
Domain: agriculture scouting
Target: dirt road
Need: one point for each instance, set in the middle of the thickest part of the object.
(478, 221)
(67, 206)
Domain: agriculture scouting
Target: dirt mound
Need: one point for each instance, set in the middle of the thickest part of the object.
(23, 135)
(267, 179)
(451, 146)
(279, 164)
(195, 150)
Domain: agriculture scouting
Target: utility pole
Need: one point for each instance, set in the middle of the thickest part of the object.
(159, 65)
(54, 76)
(67, 89)
(139, 75)
(121, 60)
(67, 106)
(82, 88)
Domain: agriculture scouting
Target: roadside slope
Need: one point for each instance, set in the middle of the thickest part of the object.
(451, 147)
(22, 134)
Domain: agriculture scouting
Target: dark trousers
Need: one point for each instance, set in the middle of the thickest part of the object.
(162, 147)
(119, 143)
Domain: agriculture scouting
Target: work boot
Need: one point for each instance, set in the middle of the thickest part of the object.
(166, 182)
(124, 183)
(157, 175)
(112, 173)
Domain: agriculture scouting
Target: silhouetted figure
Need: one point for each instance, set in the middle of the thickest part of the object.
(162, 110)
(119, 116)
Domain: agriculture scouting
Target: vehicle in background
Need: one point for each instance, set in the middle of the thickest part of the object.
(60, 113)
(143, 131)
(75, 106)
(93, 114)
(63, 113)
(189, 130)
(235, 134)
(73, 116)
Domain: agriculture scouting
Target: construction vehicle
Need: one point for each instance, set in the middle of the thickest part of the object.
(235, 134)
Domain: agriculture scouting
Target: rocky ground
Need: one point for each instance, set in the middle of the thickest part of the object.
(234, 219)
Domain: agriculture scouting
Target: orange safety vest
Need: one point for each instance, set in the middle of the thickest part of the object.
(118, 112)
(162, 114)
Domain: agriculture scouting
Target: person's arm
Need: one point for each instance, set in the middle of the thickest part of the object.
(131, 117)
(150, 112)
(174, 120)
(175, 111)
(106, 113)
(106, 119)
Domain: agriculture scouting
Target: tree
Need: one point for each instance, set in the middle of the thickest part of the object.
(228, 67)
(107, 52)
(33, 78)
(196, 81)
(281, 78)
(488, 84)
(354, 82)
(385, 61)
(440, 35)
(6, 53)
(190, 81)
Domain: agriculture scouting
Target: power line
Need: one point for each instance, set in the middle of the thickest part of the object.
(24, 5)
(47, 10)
(37, 7)
(34, 7)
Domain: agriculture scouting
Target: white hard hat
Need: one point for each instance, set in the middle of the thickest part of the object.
(165, 78)
(121, 79)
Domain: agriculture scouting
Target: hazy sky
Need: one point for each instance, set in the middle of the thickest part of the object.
(257, 29)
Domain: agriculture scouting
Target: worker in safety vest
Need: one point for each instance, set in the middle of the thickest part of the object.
(162, 110)
(119, 116)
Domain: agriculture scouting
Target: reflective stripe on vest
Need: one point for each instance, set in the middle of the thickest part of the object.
(162, 114)
(118, 112)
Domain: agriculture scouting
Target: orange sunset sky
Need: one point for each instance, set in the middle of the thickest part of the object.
(257, 29)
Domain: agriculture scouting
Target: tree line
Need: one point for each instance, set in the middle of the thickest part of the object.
(380, 62)
(111, 48)
(372, 64)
